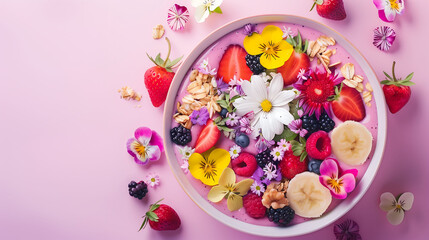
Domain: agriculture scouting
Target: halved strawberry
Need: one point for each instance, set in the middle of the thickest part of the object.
(297, 61)
(208, 137)
(348, 104)
(233, 62)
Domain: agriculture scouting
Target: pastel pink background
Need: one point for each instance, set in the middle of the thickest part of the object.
(64, 167)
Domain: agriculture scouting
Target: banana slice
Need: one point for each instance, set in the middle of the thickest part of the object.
(351, 142)
(307, 196)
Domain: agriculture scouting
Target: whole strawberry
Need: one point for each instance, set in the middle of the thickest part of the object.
(158, 78)
(397, 91)
(330, 9)
(161, 217)
(291, 165)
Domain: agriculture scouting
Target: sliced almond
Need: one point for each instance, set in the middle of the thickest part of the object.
(196, 105)
(348, 70)
(180, 118)
(358, 78)
(350, 83)
(158, 31)
(324, 64)
(315, 49)
(368, 87)
(366, 94)
(310, 47)
(193, 87)
(187, 124)
(359, 87)
(334, 64)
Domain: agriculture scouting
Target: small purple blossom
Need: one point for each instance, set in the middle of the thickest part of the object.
(232, 119)
(200, 117)
(346, 230)
(221, 86)
(262, 144)
(270, 171)
(249, 29)
(260, 177)
(384, 37)
(296, 127)
(245, 126)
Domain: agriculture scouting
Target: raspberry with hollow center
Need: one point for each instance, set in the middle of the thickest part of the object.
(319, 145)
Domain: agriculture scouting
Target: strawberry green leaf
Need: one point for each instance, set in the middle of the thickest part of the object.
(143, 224)
(303, 156)
(287, 134)
(408, 78)
(387, 82)
(406, 83)
(388, 76)
(174, 62)
(305, 46)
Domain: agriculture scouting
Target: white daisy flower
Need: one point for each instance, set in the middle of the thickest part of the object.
(186, 152)
(277, 153)
(152, 180)
(257, 188)
(234, 151)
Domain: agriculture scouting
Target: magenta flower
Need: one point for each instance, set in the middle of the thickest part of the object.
(387, 9)
(330, 177)
(249, 29)
(384, 37)
(200, 117)
(296, 127)
(145, 146)
(346, 230)
(177, 17)
(262, 144)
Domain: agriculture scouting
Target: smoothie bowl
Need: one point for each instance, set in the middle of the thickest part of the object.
(275, 125)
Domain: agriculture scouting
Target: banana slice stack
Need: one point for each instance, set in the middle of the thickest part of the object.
(351, 143)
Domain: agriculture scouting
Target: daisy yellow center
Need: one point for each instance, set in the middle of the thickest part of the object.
(140, 149)
(235, 151)
(258, 188)
(394, 4)
(266, 105)
(277, 153)
(335, 184)
(152, 179)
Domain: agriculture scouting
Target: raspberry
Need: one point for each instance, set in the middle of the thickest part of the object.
(291, 165)
(282, 216)
(244, 165)
(180, 135)
(252, 203)
(137, 190)
(319, 145)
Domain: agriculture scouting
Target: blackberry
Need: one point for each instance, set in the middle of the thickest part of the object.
(137, 190)
(326, 123)
(311, 124)
(263, 158)
(180, 135)
(253, 63)
(282, 216)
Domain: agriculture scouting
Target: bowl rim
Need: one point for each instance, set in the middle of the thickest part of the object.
(307, 226)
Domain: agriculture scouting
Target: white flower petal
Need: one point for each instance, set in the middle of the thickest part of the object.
(276, 86)
(201, 13)
(406, 200)
(282, 115)
(276, 126)
(246, 86)
(283, 98)
(387, 201)
(266, 127)
(390, 13)
(244, 106)
(215, 4)
(196, 3)
(395, 216)
(258, 86)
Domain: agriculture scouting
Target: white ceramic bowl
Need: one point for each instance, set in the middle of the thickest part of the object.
(308, 226)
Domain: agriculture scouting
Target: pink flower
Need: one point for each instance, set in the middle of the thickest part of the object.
(145, 146)
(152, 180)
(330, 177)
(177, 17)
(384, 37)
(387, 9)
(296, 127)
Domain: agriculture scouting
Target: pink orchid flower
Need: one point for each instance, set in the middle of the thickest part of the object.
(330, 177)
(387, 9)
(145, 146)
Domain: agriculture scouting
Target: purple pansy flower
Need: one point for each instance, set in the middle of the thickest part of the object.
(145, 146)
(177, 17)
(200, 117)
(330, 177)
(384, 37)
(387, 9)
(346, 230)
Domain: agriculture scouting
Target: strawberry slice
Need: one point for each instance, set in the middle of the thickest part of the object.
(208, 137)
(290, 69)
(233, 62)
(348, 104)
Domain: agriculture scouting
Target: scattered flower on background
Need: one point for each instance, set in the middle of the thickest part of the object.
(209, 165)
(185, 166)
(231, 190)
(296, 127)
(396, 207)
(128, 93)
(234, 151)
(269, 104)
(205, 68)
(384, 37)
(186, 152)
(232, 119)
(387, 9)
(145, 146)
(277, 153)
(152, 180)
(287, 32)
(330, 177)
(285, 145)
(257, 188)
(177, 17)
(262, 144)
(203, 8)
(249, 29)
(346, 230)
(200, 117)
(275, 51)
(270, 171)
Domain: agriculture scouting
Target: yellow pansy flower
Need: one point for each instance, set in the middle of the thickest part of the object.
(275, 51)
(208, 166)
(227, 188)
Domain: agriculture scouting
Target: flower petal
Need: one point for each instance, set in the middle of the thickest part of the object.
(227, 177)
(194, 162)
(329, 168)
(285, 51)
(234, 202)
(252, 44)
(282, 115)
(196, 3)
(243, 106)
(272, 33)
(201, 13)
(243, 186)
(217, 193)
(222, 158)
(260, 89)
(276, 86)
(406, 200)
(130, 148)
(153, 152)
(338, 192)
(349, 182)
(379, 4)
(276, 126)
(390, 14)
(157, 140)
(283, 98)
(387, 201)
(395, 216)
(143, 135)
(267, 133)
(215, 4)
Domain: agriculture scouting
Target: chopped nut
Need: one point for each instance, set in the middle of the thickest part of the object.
(334, 64)
(326, 41)
(314, 50)
(368, 87)
(348, 71)
(158, 31)
(358, 78)
(350, 83)
(275, 195)
(128, 93)
(359, 87)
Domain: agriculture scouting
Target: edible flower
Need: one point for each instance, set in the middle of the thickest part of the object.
(287, 32)
(203, 8)
(230, 190)
(205, 68)
(269, 104)
(145, 146)
(270, 171)
(384, 37)
(177, 17)
(348, 229)
(257, 188)
(200, 117)
(234, 151)
(277, 153)
(330, 177)
(249, 29)
(185, 166)
(262, 144)
(275, 51)
(286, 146)
(296, 127)
(232, 119)
(186, 151)
(208, 166)
(387, 9)
(152, 180)
(396, 207)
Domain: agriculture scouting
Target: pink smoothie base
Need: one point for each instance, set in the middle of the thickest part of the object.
(214, 53)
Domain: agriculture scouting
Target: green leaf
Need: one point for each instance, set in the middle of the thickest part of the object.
(407, 83)
(218, 10)
(152, 216)
(143, 224)
(408, 78)
(216, 120)
(174, 62)
(305, 46)
(235, 98)
(223, 103)
(299, 40)
(227, 97)
(287, 134)
(387, 75)
(289, 40)
(159, 60)
(387, 82)
(303, 156)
